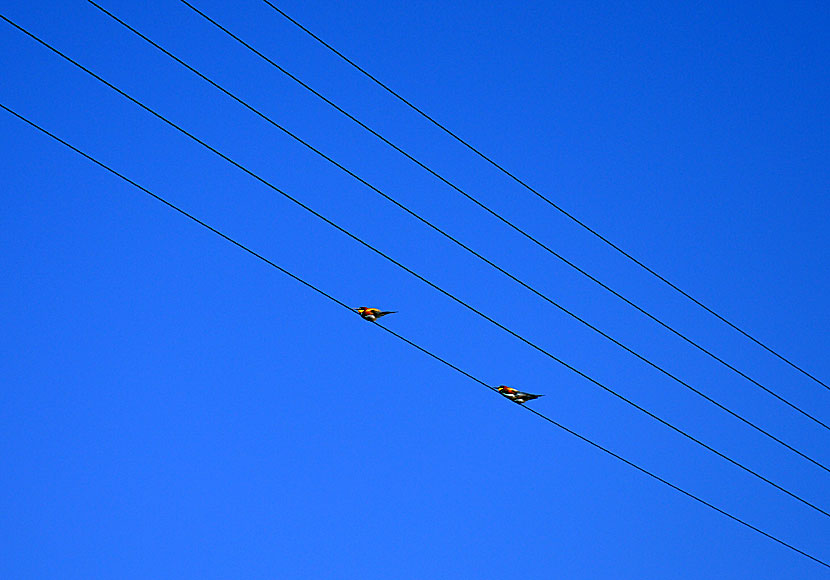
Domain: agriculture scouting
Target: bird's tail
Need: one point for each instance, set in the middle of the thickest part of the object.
(379, 314)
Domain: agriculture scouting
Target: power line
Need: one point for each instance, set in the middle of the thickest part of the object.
(406, 340)
(478, 203)
(543, 197)
(465, 247)
(415, 274)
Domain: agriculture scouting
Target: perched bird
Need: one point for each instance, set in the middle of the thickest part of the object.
(517, 396)
(372, 314)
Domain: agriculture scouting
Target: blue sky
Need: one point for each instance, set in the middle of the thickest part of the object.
(172, 407)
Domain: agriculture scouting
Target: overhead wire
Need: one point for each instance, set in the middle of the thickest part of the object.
(544, 198)
(412, 272)
(480, 204)
(462, 245)
(406, 340)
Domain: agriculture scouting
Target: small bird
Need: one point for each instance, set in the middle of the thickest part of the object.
(517, 396)
(372, 314)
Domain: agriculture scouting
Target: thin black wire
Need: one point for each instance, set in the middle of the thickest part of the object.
(462, 245)
(412, 272)
(481, 205)
(406, 340)
(541, 196)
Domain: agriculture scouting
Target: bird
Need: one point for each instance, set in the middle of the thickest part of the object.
(372, 314)
(517, 396)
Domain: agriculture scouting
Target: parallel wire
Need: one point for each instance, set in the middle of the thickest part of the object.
(462, 245)
(480, 204)
(415, 274)
(547, 200)
(406, 340)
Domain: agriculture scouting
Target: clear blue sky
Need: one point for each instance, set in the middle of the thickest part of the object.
(173, 408)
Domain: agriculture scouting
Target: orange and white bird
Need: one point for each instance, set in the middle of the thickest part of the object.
(517, 396)
(372, 314)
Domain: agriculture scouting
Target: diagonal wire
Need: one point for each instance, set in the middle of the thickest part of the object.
(406, 340)
(415, 274)
(470, 250)
(547, 200)
(479, 204)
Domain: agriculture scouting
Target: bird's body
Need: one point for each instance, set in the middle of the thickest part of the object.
(372, 314)
(517, 396)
